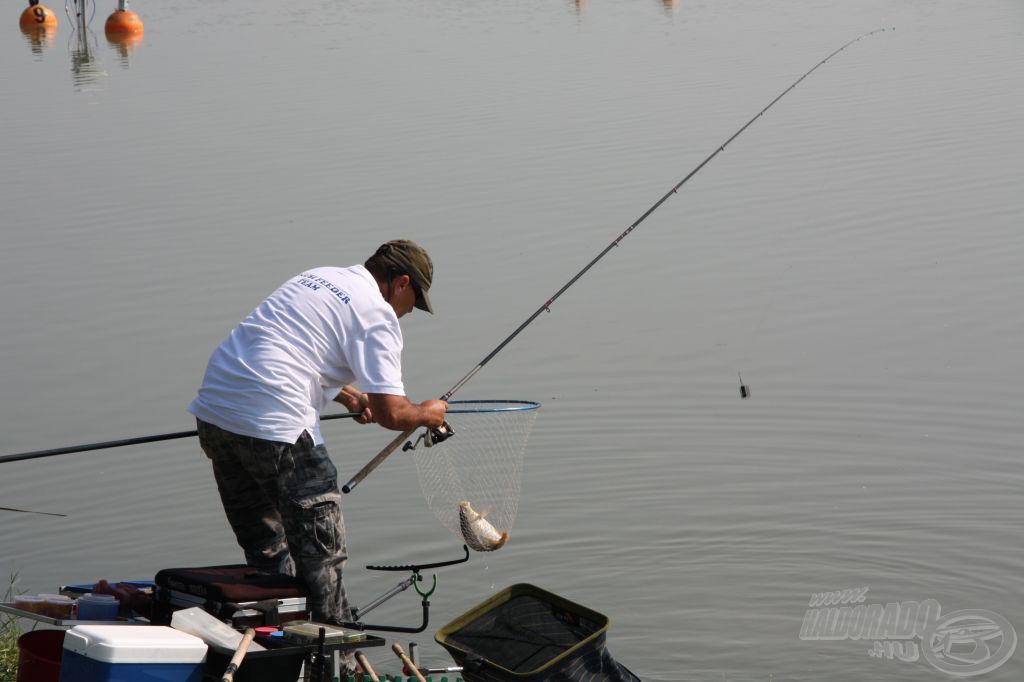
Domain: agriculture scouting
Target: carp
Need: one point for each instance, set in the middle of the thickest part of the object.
(477, 531)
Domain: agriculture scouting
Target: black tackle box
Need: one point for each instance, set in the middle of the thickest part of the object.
(239, 593)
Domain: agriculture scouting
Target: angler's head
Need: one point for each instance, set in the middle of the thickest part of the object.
(404, 272)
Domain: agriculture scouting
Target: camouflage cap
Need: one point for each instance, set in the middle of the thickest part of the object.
(410, 258)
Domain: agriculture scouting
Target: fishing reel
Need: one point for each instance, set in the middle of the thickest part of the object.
(430, 437)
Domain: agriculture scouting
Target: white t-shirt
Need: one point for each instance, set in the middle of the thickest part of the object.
(288, 359)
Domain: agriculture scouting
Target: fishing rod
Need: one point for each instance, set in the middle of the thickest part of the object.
(546, 307)
(29, 511)
(130, 441)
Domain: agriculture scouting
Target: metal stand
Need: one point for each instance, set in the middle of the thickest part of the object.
(412, 581)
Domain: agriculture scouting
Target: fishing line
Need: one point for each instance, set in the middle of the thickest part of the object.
(546, 306)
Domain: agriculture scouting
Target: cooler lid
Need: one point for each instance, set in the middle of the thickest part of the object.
(134, 644)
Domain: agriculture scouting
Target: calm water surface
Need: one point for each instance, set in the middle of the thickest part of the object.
(856, 255)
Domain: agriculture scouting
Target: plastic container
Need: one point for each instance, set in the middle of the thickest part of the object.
(98, 607)
(39, 656)
(30, 602)
(309, 633)
(57, 606)
(197, 622)
(130, 653)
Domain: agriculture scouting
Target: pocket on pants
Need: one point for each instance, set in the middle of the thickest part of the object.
(320, 519)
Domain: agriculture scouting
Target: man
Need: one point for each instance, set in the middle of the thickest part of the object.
(319, 336)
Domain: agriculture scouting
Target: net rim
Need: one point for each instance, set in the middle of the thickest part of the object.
(476, 406)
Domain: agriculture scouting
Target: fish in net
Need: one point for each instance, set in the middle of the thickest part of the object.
(471, 478)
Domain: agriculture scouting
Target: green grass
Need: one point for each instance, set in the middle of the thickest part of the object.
(9, 638)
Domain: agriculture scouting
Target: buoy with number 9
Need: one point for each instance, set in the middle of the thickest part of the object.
(37, 16)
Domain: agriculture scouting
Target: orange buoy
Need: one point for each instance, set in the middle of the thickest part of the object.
(37, 16)
(123, 22)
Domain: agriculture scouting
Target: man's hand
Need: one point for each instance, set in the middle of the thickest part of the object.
(355, 400)
(435, 411)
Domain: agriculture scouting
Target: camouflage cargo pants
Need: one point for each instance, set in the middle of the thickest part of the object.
(282, 502)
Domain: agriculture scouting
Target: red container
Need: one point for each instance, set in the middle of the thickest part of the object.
(39, 655)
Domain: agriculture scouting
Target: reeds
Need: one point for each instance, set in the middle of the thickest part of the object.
(9, 637)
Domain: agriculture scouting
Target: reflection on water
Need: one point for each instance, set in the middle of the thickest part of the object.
(123, 45)
(85, 69)
(39, 37)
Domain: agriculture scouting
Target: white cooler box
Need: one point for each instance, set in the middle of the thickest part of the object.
(131, 653)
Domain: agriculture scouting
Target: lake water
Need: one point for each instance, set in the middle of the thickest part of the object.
(856, 255)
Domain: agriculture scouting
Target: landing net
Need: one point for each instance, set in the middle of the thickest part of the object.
(481, 464)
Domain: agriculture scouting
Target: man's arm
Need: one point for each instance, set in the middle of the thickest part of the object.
(397, 413)
(393, 412)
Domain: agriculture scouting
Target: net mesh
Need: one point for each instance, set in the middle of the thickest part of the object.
(525, 633)
(482, 463)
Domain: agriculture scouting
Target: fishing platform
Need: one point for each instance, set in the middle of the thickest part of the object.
(236, 624)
